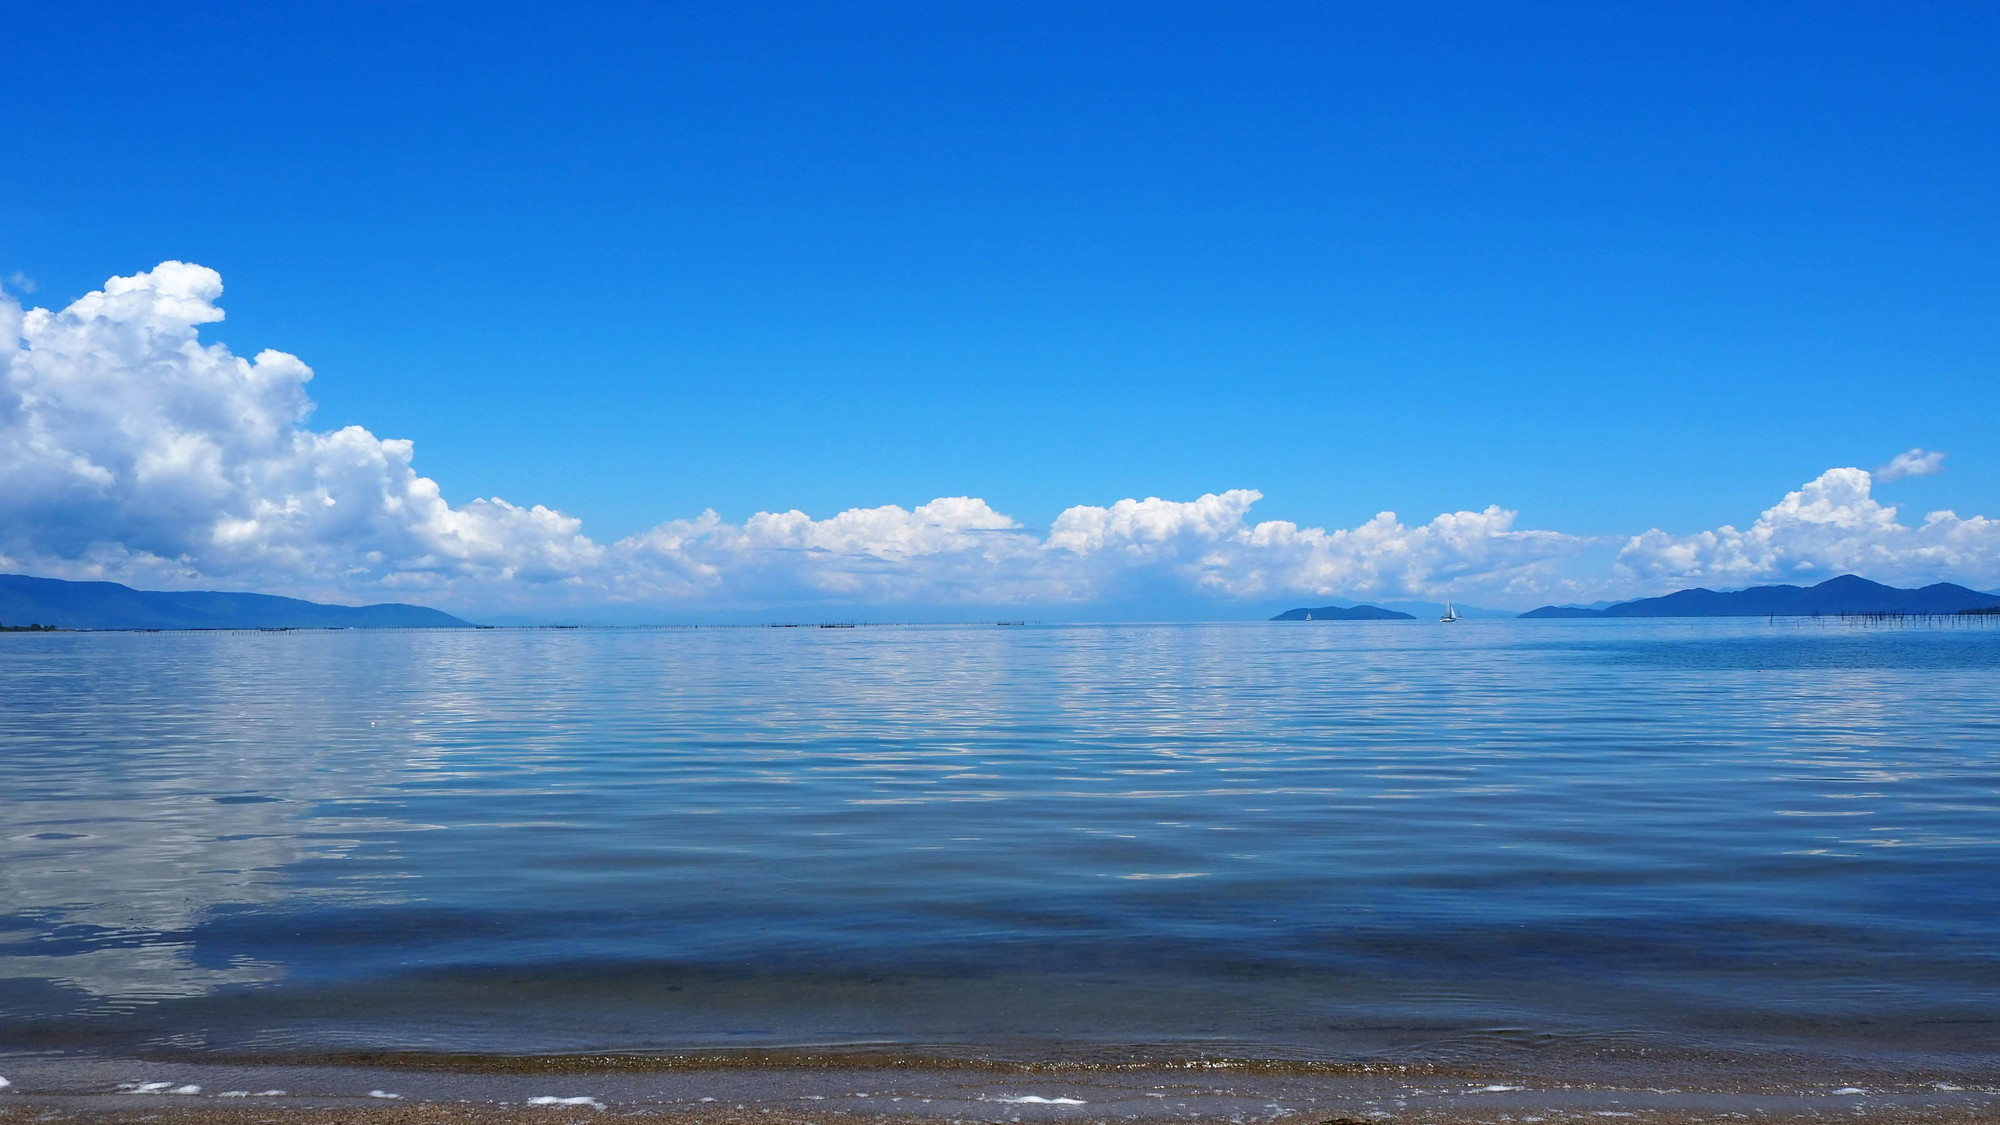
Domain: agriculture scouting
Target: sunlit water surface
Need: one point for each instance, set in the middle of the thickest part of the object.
(1396, 841)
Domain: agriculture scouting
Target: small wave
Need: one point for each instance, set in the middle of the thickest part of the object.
(156, 1088)
(550, 1099)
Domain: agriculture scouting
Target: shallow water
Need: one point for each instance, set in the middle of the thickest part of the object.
(1527, 844)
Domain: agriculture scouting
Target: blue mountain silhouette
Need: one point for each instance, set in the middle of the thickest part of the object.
(25, 600)
(1345, 613)
(1845, 594)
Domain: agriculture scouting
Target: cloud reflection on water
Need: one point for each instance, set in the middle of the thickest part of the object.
(1260, 832)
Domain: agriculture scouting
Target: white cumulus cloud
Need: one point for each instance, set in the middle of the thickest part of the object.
(1832, 525)
(1209, 546)
(131, 449)
(960, 551)
(951, 549)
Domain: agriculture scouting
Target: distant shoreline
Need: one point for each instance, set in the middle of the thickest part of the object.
(1966, 616)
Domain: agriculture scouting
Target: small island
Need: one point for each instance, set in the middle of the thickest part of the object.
(1344, 613)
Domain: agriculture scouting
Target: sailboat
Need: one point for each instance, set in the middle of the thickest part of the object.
(1450, 614)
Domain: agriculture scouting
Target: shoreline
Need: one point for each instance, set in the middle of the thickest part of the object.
(717, 1089)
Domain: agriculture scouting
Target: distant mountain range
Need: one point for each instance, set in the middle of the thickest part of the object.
(1845, 594)
(108, 605)
(1344, 613)
(1421, 611)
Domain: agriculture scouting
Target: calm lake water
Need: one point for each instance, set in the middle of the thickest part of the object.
(1396, 841)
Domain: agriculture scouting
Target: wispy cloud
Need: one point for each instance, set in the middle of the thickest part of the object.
(132, 450)
(1911, 463)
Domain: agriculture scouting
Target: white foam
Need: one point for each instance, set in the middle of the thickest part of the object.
(4, 1083)
(156, 1088)
(234, 1094)
(1032, 1099)
(1850, 1090)
(1497, 1089)
(549, 1099)
(383, 1094)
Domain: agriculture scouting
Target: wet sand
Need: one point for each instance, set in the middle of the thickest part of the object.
(40, 1112)
(833, 1090)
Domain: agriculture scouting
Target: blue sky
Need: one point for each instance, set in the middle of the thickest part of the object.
(1612, 267)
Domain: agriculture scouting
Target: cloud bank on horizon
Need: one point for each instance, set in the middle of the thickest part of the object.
(133, 451)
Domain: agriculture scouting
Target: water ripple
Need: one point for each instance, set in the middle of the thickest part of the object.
(1260, 834)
